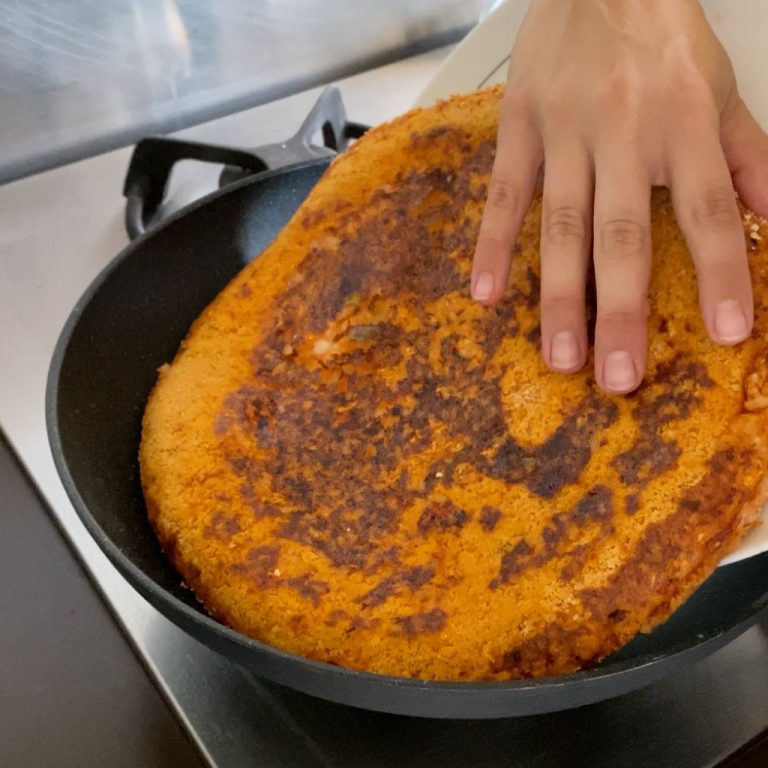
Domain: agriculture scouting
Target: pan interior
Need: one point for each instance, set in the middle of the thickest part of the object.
(132, 321)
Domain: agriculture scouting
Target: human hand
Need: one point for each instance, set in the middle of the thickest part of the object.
(613, 97)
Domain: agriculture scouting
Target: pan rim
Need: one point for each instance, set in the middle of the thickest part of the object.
(173, 606)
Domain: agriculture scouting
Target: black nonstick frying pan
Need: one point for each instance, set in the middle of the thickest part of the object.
(131, 320)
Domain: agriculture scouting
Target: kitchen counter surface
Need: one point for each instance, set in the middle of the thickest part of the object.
(81, 77)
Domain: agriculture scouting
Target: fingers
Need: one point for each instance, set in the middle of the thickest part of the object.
(706, 209)
(746, 151)
(622, 257)
(565, 238)
(511, 188)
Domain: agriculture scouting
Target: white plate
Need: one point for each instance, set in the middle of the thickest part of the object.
(481, 59)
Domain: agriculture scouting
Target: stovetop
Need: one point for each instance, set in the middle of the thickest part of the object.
(58, 230)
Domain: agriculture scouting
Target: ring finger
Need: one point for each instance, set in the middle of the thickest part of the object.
(705, 205)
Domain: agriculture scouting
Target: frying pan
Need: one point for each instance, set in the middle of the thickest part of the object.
(132, 319)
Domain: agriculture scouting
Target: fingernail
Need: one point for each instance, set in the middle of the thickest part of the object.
(564, 351)
(483, 287)
(619, 372)
(730, 322)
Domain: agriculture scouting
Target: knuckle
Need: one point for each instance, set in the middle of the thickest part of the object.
(558, 104)
(625, 236)
(561, 302)
(634, 313)
(620, 93)
(715, 207)
(503, 194)
(565, 224)
(685, 98)
(689, 91)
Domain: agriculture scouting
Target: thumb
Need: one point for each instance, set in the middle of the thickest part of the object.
(745, 145)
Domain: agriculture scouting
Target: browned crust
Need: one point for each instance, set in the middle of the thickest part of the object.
(489, 543)
(648, 578)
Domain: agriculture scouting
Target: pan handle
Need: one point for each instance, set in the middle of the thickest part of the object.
(150, 168)
(154, 158)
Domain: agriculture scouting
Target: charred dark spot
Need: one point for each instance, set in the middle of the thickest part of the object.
(443, 516)
(553, 534)
(451, 358)
(260, 508)
(345, 541)
(504, 323)
(387, 557)
(297, 623)
(260, 564)
(422, 623)
(301, 489)
(723, 460)
(537, 654)
(690, 505)
(513, 562)
(560, 460)
(632, 503)
(673, 392)
(489, 517)
(480, 419)
(413, 578)
(594, 508)
(663, 325)
(534, 335)
(534, 288)
(380, 593)
(222, 526)
(313, 218)
(306, 586)
(362, 622)
(575, 563)
(335, 617)
(648, 458)
(448, 133)
(417, 576)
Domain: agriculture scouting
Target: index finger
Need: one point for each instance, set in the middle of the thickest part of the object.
(513, 179)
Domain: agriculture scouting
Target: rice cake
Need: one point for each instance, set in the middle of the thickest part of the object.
(351, 460)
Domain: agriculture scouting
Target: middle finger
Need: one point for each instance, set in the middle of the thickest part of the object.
(622, 257)
(565, 238)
